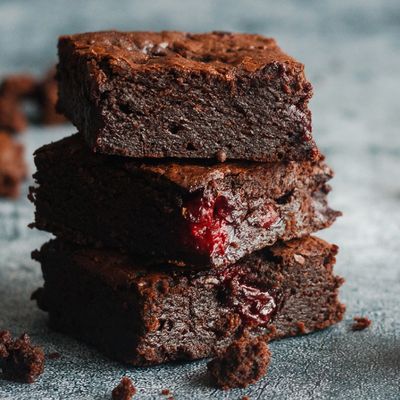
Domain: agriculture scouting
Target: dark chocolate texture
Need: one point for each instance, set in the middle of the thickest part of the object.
(186, 212)
(148, 316)
(176, 94)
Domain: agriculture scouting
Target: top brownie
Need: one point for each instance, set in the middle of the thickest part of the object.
(173, 94)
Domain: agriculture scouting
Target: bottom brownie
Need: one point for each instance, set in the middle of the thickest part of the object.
(145, 317)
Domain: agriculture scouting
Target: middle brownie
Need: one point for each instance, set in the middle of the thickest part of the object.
(190, 213)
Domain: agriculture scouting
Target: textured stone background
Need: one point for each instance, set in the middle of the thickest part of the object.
(352, 53)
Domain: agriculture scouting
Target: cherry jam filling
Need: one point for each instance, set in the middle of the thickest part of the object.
(207, 223)
(256, 306)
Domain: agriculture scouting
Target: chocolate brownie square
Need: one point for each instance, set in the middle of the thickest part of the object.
(148, 316)
(186, 212)
(12, 166)
(176, 94)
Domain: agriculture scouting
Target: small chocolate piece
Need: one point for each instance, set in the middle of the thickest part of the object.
(12, 166)
(47, 95)
(125, 390)
(242, 363)
(221, 156)
(165, 392)
(361, 323)
(191, 212)
(19, 359)
(146, 315)
(184, 95)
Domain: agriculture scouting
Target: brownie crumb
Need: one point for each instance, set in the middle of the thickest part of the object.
(221, 156)
(245, 398)
(360, 323)
(244, 362)
(54, 356)
(19, 359)
(125, 390)
(165, 392)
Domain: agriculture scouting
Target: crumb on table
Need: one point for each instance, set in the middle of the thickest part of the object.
(125, 390)
(20, 360)
(360, 323)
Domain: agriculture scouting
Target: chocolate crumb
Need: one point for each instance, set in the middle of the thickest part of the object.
(361, 323)
(165, 392)
(54, 356)
(19, 360)
(245, 398)
(125, 390)
(244, 362)
(221, 156)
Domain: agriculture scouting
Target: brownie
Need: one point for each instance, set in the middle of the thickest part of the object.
(187, 212)
(13, 90)
(176, 94)
(46, 94)
(12, 166)
(145, 316)
(18, 86)
(125, 390)
(242, 363)
(12, 117)
(19, 359)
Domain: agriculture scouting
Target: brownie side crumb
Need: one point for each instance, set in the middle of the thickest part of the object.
(242, 363)
(125, 390)
(19, 359)
(245, 398)
(54, 356)
(360, 323)
(165, 392)
(221, 156)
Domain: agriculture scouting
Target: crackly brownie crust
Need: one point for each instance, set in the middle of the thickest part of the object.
(185, 212)
(12, 166)
(175, 94)
(145, 317)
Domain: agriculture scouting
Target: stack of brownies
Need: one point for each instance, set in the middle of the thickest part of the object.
(183, 207)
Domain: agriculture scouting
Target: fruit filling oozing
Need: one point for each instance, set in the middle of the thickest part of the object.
(208, 219)
(207, 222)
(255, 305)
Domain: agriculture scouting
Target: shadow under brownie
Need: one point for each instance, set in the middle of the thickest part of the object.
(146, 317)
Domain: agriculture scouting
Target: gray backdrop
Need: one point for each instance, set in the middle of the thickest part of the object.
(352, 54)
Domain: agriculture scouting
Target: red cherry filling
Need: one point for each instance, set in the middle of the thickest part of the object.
(255, 305)
(207, 223)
